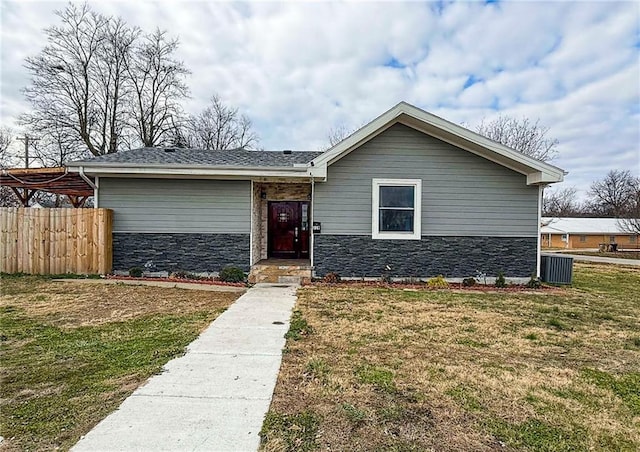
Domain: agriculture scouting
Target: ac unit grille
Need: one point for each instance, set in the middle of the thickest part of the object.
(556, 269)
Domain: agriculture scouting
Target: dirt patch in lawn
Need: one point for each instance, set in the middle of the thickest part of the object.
(204, 281)
(373, 368)
(72, 352)
(78, 304)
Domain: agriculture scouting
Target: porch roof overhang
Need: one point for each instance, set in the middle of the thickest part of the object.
(536, 172)
(53, 180)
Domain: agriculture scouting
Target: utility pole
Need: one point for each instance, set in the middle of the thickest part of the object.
(26, 139)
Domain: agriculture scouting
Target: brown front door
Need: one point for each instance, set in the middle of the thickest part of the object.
(289, 229)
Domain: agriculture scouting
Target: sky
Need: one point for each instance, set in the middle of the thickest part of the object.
(300, 69)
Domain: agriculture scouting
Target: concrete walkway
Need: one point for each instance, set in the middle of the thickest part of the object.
(214, 397)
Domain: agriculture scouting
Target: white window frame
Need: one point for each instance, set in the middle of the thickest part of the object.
(375, 209)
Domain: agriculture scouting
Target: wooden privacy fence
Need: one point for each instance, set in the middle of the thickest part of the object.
(55, 241)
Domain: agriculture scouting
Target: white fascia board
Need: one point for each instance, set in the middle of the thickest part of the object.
(318, 172)
(542, 178)
(191, 172)
(537, 172)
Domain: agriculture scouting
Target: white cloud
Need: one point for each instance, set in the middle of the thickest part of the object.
(298, 69)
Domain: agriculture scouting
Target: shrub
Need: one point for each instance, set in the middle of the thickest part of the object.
(232, 274)
(136, 272)
(500, 281)
(468, 282)
(534, 282)
(331, 278)
(437, 283)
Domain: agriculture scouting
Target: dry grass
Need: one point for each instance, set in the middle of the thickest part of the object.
(71, 352)
(78, 304)
(384, 369)
(627, 254)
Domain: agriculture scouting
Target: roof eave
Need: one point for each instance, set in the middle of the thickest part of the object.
(150, 170)
(544, 177)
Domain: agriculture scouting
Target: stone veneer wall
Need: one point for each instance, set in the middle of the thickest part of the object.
(453, 257)
(260, 215)
(189, 252)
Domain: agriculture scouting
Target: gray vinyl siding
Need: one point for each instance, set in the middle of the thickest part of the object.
(177, 206)
(462, 194)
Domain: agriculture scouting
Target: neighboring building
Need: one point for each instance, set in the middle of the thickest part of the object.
(409, 194)
(585, 233)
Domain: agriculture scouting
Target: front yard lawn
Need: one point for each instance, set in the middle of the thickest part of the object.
(72, 352)
(369, 368)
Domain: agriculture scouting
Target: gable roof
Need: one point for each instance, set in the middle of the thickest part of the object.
(242, 163)
(572, 225)
(537, 172)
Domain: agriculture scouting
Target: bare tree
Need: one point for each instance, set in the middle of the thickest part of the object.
(158, 88)
(6, 138)
(560, 203)
(114, 84)
(219, 126)
(337, 134)
(523, 135)
(630, 221)
(614, 194)
(77, 78)
(100, 85)
(55, 147)
(7, 198)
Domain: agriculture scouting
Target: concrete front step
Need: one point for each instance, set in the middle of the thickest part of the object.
(286, 274)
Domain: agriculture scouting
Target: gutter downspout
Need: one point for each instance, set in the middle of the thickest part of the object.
(86, 179)
(95, 193)
(251, 225)
(538, 239)
(313, 185)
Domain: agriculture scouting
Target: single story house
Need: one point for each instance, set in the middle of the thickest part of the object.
(407, 195)
(567, 232)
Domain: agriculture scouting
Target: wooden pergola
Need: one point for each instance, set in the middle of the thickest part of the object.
(25, 182)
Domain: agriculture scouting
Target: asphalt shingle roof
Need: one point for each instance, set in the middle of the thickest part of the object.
(201, 157)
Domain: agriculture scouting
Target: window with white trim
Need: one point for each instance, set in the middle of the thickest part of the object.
(396, 209)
